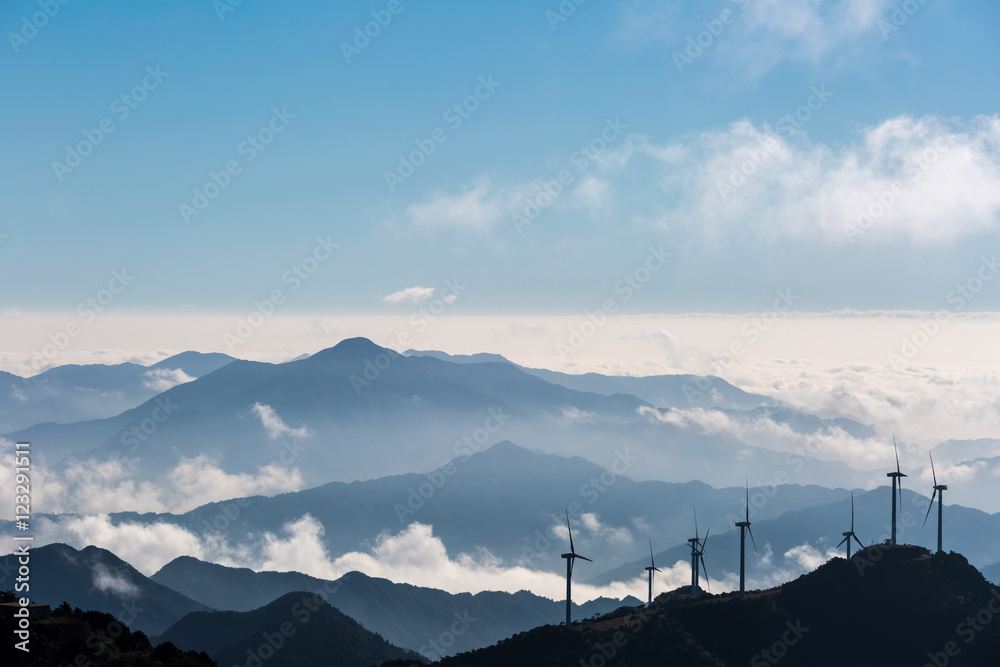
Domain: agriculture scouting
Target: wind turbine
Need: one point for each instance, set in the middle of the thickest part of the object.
(744, 527)
(848, 536)
(895, 476)
(938, 489)
(697, 555)
(652, 568)
(570, 557)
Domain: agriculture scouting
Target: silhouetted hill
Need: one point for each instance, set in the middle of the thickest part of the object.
(89, 639)
(298, 629)
(886, 606)
(405, 615)
(94, 578)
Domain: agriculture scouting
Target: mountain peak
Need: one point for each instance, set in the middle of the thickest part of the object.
(359, 347)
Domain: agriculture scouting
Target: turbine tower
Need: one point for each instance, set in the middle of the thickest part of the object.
(848, 536)
(697, 555)
(939, 490)
(896, 478)
(744, 527)
(570, 557)
(652, 568)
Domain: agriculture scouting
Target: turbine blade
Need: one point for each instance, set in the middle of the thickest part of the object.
(706, 539)
(752, 540)
(844, 540)
(894, 448)
(701, 559)
(930, 506)
(858, 541)
(748, 500)
(656, 569)
(852, 511)
(651, 561)
(934, 474)
(570, 529)
(583, 558)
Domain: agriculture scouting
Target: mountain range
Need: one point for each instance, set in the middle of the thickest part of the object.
(72, 393)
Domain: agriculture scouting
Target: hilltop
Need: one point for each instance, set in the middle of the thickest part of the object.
(886, 606)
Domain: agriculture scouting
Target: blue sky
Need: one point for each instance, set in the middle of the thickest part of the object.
(897, 87)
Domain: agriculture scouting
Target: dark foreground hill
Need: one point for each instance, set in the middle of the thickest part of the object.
(297, 630)
(88, 638)
(899, 606)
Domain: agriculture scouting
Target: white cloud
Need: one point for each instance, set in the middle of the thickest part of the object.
(591, 191)
(161, 379)
(761, 34)
(478, 207)
(411, 295)
(417, 557)
(826, 443)
(92, 486)
(923, 180)
(621, 537)
(809, 557)
(275, 426)
(115, 584)
(147, 548)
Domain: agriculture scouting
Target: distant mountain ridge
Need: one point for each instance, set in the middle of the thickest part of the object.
(72, 393)
(405, 615)
(410, 413)
(658, 390)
